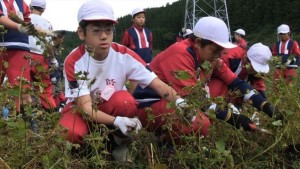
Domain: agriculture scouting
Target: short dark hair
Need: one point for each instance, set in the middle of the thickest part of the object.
(203, 42)
(60, 33)
(37, 8)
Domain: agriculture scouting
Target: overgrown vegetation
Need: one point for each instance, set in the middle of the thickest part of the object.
(225, 147)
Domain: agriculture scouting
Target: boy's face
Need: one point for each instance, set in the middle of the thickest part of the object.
(283, 36)
(98, 35)
(58, 40)
(209, 52)
(249, 67)
(139, 19)
(237, 37)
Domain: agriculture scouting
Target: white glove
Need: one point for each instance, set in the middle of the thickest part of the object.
(138, 124)
(180, 103)
(54, 62)
(234, 109)
(288, 62)
(187, 112)
(126, 124)
(26, 29)
(54, 80)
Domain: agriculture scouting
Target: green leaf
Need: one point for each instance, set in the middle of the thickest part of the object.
(182, 75)
(206, 65)
(277, 123)
(289, 112)
(220, 145)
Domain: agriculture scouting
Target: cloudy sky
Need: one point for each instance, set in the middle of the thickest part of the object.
(63, 13)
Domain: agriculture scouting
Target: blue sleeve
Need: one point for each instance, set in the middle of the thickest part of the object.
(245, 88)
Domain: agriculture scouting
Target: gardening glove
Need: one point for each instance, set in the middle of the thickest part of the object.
(272, 111)
(26, 28)
(53, 80)
(54, 62)
(45, 31)
(185, 109)
(234, 109)
(138, 124)
(236, 120)
(240, 120)
(126, 124)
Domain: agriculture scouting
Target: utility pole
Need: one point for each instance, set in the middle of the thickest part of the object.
(194, 9)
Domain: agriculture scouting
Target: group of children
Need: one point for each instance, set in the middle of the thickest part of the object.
(96, 73)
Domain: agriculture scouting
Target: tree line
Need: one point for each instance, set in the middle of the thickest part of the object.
(258, 18)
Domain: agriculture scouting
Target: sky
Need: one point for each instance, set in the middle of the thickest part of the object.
(62, 14)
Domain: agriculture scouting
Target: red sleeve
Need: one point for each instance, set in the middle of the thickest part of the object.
(26, 13)
(274, 50)
(136, 56)
(170, 62)
(125, 50)
(222, 71)
(225, 55)
(233, 53)
(295, 49)
(259, 84)
(151, 41)
(125, 39)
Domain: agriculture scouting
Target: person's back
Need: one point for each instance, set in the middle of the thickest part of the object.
(138, 38)
(234, 58)
(41, 51)
(36, 45)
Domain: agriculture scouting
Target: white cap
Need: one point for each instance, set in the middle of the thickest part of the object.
(259, 56)
(283, 29)
(187, 32)
(240, 31)
(136, 11)
(38, 3)
(95, 10)
(213, 29)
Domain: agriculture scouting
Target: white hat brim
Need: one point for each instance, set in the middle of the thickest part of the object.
(259, 67)
(98, 17)
(283, 32)
(226, 45)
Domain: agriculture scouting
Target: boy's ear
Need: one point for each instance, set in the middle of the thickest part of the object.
(80, 33)
(198, 42)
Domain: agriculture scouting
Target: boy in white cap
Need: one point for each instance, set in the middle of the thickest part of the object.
(95, 76)
(209, 38)
(139, 38)
(288, 53)
(41, 52)
(239, 37)
(256, 66)
(183, 34)
(237, 59)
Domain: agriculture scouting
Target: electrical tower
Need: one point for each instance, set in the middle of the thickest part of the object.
(194, 9)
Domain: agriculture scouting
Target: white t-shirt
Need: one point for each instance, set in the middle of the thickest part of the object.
(42, 23)
(115, 70)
